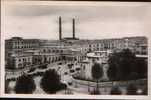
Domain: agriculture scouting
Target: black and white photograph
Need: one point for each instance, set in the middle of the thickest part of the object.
(76, 48)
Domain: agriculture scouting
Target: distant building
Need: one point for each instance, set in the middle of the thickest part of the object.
(17, 43)
(20, 52)
(47, 51)
(20, 60)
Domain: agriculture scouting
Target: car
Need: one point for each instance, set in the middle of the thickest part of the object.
(72, 71)
(70, 83)
(60, 63)
(65, 73)
(77, 69)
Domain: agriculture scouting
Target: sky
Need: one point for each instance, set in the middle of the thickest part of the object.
(40, 20)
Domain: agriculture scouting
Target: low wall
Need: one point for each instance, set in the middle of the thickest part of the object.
(109, 84)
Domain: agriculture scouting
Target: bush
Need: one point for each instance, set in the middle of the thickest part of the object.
(25, 85)
(50, 82)
(115, 90)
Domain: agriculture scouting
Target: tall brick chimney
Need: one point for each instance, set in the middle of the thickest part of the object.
(60, 28)
(73, 27)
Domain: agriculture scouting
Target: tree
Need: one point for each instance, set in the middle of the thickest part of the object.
(50, 82)
(25, 85)
(115, 90)
(125, 65)
(141, 67)
(112, 73)
(97, 73)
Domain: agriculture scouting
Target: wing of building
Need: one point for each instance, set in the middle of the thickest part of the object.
(20, 53)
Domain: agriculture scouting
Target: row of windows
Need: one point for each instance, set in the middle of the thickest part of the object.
(105, 45)
(53, 51)
(21, 42)
(21, 47)
(24, 59)
(23, 64)
(46, 59)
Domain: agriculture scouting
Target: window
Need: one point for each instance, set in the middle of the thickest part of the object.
(19, 65)
(44, 50)
(19, 59)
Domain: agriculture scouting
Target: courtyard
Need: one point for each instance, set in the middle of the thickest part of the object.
(66, 76)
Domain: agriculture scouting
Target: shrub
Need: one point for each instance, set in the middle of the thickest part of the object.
(25, 85)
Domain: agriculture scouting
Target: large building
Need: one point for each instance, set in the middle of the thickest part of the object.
(20, 53)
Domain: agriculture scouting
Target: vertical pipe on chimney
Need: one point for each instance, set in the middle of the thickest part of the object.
(60, 28)
(73, 26)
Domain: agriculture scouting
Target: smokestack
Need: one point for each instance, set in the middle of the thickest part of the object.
(60, 28)
(73, 26)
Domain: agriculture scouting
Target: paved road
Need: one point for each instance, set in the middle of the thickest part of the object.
(61, 69)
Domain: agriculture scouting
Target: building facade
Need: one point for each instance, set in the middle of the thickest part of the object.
(20, 52)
